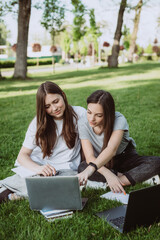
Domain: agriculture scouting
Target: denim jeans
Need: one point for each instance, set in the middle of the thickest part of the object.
(135, 167)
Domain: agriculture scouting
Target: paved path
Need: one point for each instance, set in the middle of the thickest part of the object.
(31, 70)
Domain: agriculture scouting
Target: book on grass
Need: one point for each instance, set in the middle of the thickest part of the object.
(58, 218)
(121, 197)
(55, 214)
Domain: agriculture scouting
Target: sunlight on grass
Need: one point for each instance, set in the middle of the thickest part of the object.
(21, 84)
(99, 78)
(18, 93)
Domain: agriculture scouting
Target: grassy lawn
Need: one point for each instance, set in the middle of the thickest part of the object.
(136, 90)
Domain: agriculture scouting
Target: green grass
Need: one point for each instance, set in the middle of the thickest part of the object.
(136, 90)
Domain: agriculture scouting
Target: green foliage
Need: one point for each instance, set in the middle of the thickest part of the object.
(126, 37)
(7, 64)
(53, 16)
(65, 41)
(83, 47)
(78, 30)
(94, 29)
(4, 33)
(140, 50)
(62, 61)
(135, 88)
(148, 49)
(93, 32)
(8, 6)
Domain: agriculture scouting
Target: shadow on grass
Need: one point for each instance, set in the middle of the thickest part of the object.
(129, 93)
(122, 70)
(91, 75)
(106, 72)
(21, 88)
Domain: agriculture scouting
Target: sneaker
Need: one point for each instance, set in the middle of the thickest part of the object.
(153, 181)
(96, 185)
(14, 196)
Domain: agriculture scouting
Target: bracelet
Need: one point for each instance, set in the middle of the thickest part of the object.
(93, 165)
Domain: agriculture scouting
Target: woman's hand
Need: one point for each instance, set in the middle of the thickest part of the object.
(114, 183)
(83, 176)
(46, 170)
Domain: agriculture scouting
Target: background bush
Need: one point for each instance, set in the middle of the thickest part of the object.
(30, 62)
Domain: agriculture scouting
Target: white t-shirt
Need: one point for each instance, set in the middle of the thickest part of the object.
(62, 157)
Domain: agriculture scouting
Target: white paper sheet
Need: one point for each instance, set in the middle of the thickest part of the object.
(121, 197)
(23, 172)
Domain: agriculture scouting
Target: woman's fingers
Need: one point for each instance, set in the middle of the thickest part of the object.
(116, 186)
(82, 179)
(52, 170)
(47, 170)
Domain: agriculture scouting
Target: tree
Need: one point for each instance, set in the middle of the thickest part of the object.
(79, 29)
(3, 11)
(113, 59)
(139, 50)
(83, 47)
(156, 48)
(24, 12)
(52, 19)
(138, 9)
(148, 49)
(65, 42)
(4, 33)
(93, 32)
(126, 37)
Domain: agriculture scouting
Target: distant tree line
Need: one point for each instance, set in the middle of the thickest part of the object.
(77, 38)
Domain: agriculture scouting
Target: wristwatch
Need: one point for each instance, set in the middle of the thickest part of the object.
(93, 165)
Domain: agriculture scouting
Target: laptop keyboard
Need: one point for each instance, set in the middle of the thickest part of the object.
(118, 221)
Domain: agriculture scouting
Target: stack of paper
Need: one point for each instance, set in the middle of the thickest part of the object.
(121, 197)
(56, 214)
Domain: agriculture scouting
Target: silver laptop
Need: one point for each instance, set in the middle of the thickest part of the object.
(143, 209)
(49, 193)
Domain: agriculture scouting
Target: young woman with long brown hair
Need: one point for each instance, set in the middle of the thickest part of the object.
(51, 142)
(109, 150)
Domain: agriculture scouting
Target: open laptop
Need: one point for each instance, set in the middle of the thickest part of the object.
(143, 209)
(49, 193)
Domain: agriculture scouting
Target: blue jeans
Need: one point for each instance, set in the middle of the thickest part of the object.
(135, 167)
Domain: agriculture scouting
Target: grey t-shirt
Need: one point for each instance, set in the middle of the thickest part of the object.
(86, 132)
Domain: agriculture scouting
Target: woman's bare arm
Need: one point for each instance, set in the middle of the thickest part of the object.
(25, 160)
(104, 157)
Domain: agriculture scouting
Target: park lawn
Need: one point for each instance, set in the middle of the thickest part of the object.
(136, 90)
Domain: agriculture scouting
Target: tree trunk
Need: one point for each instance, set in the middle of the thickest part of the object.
(20, 70)
(113, 59)
(135, 30)
(93, 56)
(99, 53)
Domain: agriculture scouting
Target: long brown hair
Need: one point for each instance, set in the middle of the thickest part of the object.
(46, 127)
(106, 100)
